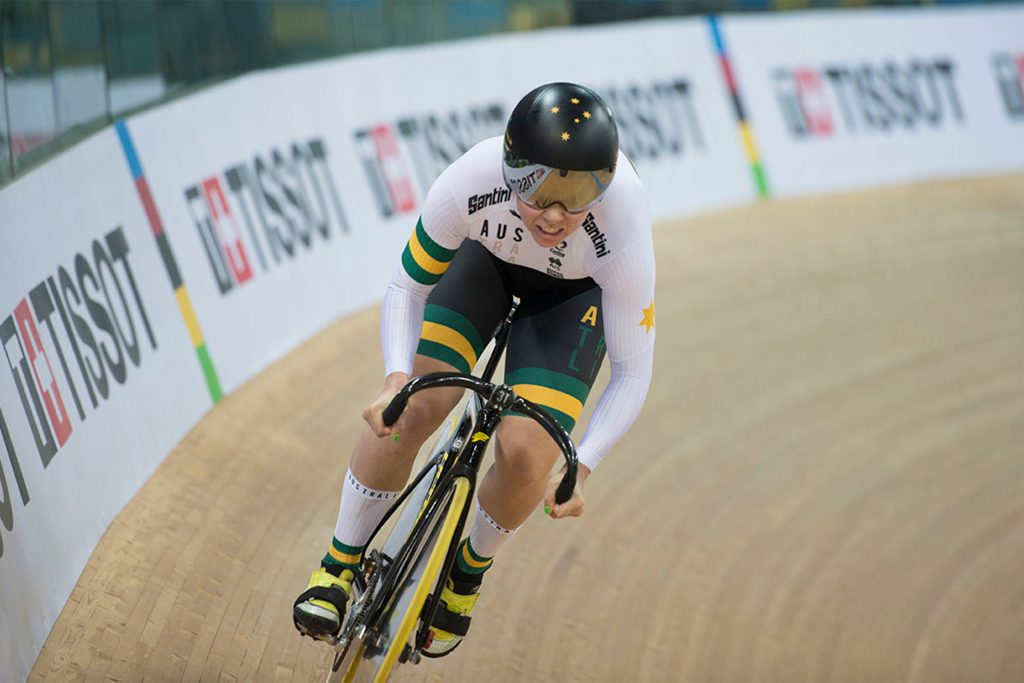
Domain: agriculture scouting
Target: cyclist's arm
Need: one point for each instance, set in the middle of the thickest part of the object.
(430, 249)
(627, 297)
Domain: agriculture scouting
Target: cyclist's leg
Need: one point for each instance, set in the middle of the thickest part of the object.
(460, 316)
(555, 350)
(385, 464)
(458, 321)
(377, 474)
(517, 481)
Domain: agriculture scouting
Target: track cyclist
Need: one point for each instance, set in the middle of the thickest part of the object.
(563, 223)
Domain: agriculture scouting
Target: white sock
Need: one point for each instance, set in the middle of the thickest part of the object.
(359, 513)
(487, 536)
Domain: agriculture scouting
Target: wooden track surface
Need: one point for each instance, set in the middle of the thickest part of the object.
(826, 484)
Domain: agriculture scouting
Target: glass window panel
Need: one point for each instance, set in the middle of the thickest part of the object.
(5, 145)
(247, 44)
(30, 97)
(476, 17)
(79, 75)
(300, 30)
(342, 40)
(419, 21)
(369, 25)
(192, 35)
(132, 46)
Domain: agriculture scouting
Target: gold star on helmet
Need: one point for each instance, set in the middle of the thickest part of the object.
(565, 136)
(575, 120)
(555, 110)
(586, 114)
(575, 100)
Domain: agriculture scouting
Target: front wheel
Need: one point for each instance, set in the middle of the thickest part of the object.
(406, 618)
(416, 585)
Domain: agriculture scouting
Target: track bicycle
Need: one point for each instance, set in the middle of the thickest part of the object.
(397, 591)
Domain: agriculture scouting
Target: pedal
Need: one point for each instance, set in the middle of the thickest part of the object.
(333, 641)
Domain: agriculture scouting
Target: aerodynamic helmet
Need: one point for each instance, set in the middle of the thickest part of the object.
(561, 147)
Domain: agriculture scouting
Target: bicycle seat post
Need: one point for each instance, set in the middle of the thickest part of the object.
(500, 340)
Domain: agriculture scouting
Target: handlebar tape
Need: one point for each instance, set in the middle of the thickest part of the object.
(565, 489)
(394, 409)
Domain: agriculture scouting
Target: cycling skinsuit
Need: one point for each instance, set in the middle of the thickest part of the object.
(471, 252)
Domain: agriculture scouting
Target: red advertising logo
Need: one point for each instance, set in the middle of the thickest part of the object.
(813, 102)
(43, 372)
(386, 169)
(222, 218)
(393, 166)
(804, 101)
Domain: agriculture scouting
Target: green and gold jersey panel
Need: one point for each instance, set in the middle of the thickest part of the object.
(424, 260)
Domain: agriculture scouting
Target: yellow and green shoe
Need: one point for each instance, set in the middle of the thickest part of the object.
(451, 621)
(319, 609)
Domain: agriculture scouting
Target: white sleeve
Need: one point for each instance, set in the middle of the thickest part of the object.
(627, 297)
(431, 247)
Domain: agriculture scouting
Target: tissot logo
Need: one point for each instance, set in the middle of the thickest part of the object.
(1009, 72)
(80, 327)
(286, 201)
(655, 119)
(524, 182)
(412, 151)
(886, 98)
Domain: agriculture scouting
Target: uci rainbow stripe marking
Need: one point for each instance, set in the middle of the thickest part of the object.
(746, 135)
(188, 314)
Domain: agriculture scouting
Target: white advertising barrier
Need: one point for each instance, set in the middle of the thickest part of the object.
(98, 380)
(288, 195)
(842, 100)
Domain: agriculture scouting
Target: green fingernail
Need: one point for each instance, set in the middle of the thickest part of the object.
(394, 437)
(547, 509)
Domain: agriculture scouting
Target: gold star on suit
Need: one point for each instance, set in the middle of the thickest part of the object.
(648, 321)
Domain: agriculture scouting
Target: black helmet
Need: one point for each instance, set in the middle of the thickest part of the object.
(561, 146)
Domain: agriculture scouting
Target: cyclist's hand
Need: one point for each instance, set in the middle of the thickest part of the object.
(373, 412)
(572, 507)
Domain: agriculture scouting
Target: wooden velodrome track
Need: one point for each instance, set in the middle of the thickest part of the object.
(826, 483)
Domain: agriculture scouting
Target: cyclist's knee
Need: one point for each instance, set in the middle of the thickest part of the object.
(425, 413)
(525, 452)
(428, 409)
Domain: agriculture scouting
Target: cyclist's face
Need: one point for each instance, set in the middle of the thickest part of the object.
(552, 225)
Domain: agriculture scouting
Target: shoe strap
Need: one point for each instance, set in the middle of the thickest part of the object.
(456, 624)
(333, 594)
